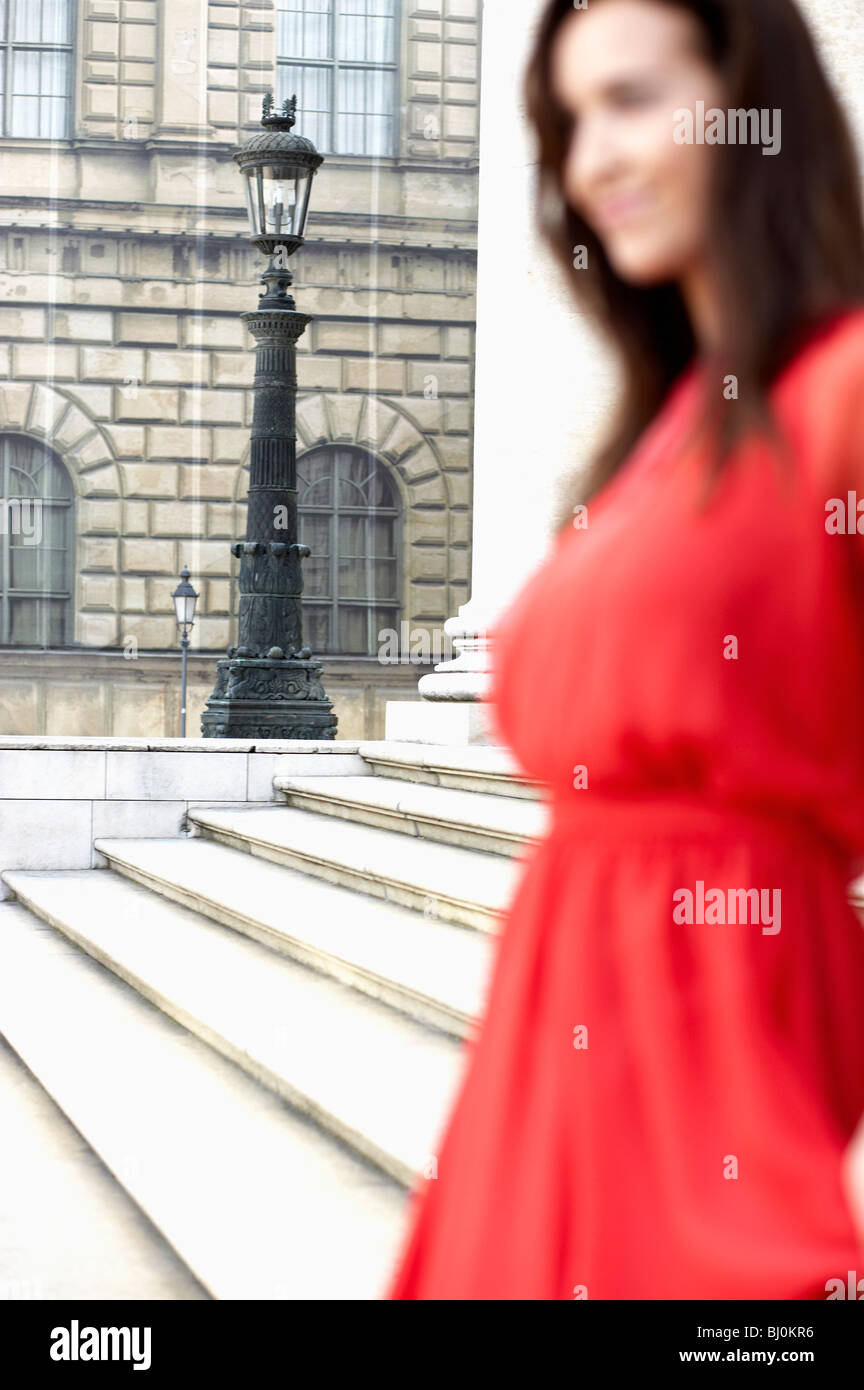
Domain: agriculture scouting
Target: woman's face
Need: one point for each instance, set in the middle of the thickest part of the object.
(622, 68)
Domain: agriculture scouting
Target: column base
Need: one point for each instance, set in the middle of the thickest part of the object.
(265, 698)
(457, 723)
(466, 677)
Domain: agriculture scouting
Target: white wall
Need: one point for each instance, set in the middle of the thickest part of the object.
(543, 381)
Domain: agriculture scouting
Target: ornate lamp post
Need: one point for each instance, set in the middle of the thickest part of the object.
(185, 599)
(268, 686)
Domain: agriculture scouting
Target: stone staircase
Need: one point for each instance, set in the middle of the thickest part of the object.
(257, 1028)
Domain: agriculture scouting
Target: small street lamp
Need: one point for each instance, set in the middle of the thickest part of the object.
(185, 599)
(268, 686)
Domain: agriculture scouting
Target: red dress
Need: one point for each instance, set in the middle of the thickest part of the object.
(657, 1101)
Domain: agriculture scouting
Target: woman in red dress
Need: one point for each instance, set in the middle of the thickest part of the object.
(663, 1093)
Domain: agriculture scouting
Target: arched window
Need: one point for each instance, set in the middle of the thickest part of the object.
(35, 545)
(349, 517)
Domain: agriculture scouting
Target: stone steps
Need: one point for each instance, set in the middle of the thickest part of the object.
(431, 970)
(257, 1028)
(375, 1079)
(457, 885)
(467, 819)
(477, 768)
(257, 1201)
(69, 1231)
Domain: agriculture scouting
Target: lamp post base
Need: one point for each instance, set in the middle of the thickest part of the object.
(268, 698)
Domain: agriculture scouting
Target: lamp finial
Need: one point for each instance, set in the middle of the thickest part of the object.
(284, 118)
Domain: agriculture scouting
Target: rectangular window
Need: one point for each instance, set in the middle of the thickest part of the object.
(36, 65)
(339, 56)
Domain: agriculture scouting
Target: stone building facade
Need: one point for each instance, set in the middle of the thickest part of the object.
(125, 370)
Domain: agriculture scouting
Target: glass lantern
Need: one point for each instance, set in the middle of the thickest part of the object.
(185, 599)
(277, 199)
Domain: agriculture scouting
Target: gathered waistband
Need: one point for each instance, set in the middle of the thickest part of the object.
(654, 815)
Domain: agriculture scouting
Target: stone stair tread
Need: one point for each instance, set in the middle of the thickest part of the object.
(511, 816)
(69, 1231)
(387, 855)
(377, 1079)
(258, 1202)
(480, 758)
(432, 959)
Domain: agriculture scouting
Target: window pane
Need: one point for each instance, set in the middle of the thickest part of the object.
(54, 480)
(316, 576)
(367, 578)
(25, 569)
(383, 535)
(52, 527)
(26, 21)
(25, 621)
(304, 29)
(25, 117)
(53, 71)
(57, 622)
(37, 567)
(365, 114)
(314, 529)
(355, 473)
(367, 31)
(359, 627)
(41, 21)
(39, 94)
(34, 472)
(367, 534)
(316, 627)
(21, 483)
(352, 578)
(312, 87)
(315, 481)
(56, 21)
(383, 579)
(384, 617)
(38, 622)
(25, 93)
(364, 483)
(352, 535)
(352, 631)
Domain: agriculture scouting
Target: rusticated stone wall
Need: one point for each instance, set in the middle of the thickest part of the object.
(124, 267)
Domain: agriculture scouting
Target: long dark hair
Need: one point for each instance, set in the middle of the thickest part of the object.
(786, 239)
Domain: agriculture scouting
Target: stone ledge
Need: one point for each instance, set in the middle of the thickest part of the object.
(92, 743)
(57, 794)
